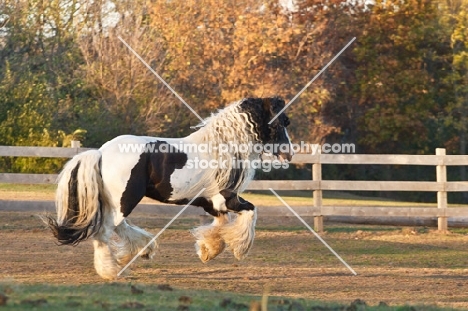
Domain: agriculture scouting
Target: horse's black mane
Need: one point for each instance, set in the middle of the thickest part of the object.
(261, 111)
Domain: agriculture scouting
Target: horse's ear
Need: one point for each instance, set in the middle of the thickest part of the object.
(267, 104)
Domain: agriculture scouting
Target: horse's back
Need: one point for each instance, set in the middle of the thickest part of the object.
(138, 166)
(121, 163)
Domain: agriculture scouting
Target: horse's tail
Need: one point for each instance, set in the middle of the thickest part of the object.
(79, 199)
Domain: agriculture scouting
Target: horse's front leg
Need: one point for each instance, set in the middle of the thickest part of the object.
(219, 203)
(239, 234)
(209, 242)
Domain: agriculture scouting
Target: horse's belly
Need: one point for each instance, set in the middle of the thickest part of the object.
(186, 183)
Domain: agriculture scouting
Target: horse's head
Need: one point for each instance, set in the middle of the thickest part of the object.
(273, 136)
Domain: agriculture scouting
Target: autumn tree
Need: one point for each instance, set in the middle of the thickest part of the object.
(397, 79)
(134, 99)
(219, 52)
(38, 78)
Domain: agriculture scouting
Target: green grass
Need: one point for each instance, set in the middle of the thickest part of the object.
(265, 198)
(355, 228)
(28, 187)
(121, 296)
(304, 198)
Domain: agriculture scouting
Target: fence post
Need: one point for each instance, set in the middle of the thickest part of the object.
(75, 144)
(317, 176)
(441, 171)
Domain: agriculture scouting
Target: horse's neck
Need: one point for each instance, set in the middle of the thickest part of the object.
(196, 137)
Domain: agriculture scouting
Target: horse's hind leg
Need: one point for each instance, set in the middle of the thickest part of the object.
(239, 234)
(131, 240)
(105, 262)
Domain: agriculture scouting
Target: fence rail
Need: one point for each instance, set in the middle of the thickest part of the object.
(441, 186)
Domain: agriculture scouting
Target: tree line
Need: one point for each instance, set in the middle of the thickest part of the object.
(401, 87)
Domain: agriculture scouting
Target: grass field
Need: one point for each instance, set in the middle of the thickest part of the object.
(117, 296)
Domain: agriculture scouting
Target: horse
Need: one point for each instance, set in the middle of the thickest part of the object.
(98, 189)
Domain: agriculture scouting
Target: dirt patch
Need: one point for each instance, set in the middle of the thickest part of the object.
(394, 266)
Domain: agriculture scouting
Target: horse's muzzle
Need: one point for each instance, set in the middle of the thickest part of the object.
(285, 152)
(285, 157)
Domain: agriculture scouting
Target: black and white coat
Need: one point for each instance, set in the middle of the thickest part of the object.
(98, 189)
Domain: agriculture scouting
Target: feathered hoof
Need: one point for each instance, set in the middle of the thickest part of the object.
(209, 243)
(123, 260)
(108, 272)
(241, 251)
(239, 235)
(106, 265)
(150, 251)
(239, 246)
(107, 276)
(124, 254)
(207, 251)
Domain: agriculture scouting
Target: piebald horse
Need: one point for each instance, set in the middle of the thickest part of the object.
(98, 189)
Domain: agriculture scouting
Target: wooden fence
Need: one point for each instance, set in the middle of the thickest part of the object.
(317, 185)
